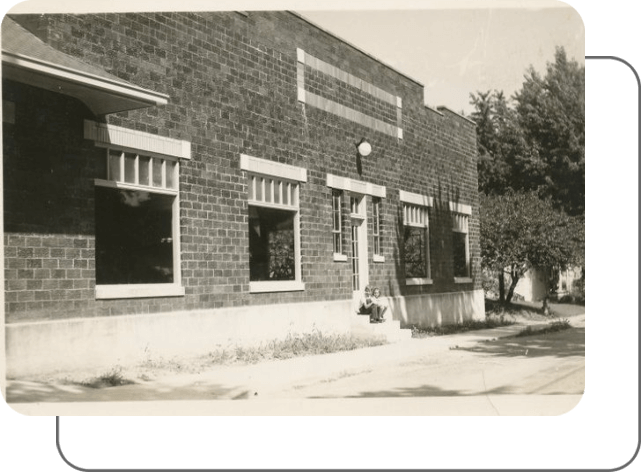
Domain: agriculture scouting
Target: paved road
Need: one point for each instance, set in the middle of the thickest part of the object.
(540, 365)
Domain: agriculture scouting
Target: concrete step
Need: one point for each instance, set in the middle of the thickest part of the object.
(390, 329)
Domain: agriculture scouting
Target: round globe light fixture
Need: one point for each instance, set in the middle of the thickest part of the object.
(364, 148)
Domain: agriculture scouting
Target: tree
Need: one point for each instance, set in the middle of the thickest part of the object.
(551, 112)
(536, 140)
(506, 160)
(520, 231)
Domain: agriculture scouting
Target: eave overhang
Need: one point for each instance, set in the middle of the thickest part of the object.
(101, 95)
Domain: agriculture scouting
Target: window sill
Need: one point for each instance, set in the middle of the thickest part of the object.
(462, 280)
(418, 281)
(378, 258)
(106, 292)
(276, 286)
(340, 257)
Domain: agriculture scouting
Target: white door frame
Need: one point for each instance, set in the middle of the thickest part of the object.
(358, 223)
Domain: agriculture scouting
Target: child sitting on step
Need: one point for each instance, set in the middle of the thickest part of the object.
(379, 307)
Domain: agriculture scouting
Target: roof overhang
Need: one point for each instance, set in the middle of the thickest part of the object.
(100, 94)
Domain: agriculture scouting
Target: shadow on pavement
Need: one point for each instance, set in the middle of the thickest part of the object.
(561, 344)
(19, 391)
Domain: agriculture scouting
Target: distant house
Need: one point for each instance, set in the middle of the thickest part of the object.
(178, 181)
(537, 283)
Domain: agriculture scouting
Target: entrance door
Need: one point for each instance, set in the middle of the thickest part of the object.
(358, 235)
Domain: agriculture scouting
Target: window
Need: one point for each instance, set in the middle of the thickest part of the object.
(274, 225)
(376, 229)
(460, 248)
(416, 244)
(337, 226)
(137, 231)
(416, 238)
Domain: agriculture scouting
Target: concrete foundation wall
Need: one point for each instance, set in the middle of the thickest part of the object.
(437, 309)
(49, 346)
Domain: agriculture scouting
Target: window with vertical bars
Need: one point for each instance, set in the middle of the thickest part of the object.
(272, 191)
(140, 169)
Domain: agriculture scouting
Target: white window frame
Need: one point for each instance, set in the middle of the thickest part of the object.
(415, 214)
(174, 289)
(128, 140)
(337, 199)
(282, 180)
(377, 203)
(460, 224)
(360, 189)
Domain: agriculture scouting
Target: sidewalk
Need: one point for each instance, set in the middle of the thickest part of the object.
(258, 380)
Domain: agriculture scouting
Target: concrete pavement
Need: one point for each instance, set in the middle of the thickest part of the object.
(265, 380)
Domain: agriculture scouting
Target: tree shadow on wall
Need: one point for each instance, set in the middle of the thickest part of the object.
(440, 257)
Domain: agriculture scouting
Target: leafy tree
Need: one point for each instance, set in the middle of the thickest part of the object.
(520, 231)
(506, 160)
(551, 112)
(536, 141)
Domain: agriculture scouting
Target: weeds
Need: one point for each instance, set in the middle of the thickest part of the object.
(550, 328)
(467, 325)
(308, 344)
(113, 378)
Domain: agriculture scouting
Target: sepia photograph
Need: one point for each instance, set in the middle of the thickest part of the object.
(300, 206)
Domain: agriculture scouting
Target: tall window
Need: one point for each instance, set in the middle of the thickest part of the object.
(376, 228)
(274, 225)
(460, 247)
(137, 240)
(416, 244)
(337, 229)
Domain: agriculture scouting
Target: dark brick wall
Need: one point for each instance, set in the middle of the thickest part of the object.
(232, 85)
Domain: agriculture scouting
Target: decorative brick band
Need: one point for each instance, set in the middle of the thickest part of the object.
(461, 208)
(415, 198)
(356, 186)
(305, 59)
(105, 134)
(348, 113)
(273, 169)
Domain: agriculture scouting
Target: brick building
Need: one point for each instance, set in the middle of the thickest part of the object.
(176, 181)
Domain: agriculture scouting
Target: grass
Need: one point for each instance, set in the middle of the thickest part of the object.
(308, 344)
(499, 314)
(113, 378)
(467, 325)
(552, 327)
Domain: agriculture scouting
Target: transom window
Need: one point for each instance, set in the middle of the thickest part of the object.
(272, 191)
(355, 206)
(141, 169)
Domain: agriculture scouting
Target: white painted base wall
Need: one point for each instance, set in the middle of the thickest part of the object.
(84, 343)
(438, 309)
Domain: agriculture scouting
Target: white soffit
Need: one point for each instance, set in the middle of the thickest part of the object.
(27, 59)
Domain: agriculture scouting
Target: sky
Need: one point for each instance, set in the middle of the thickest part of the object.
(452, 47)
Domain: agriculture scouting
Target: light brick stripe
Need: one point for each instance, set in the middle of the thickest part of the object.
(348, 78)
(348, 113)
(305, 59)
